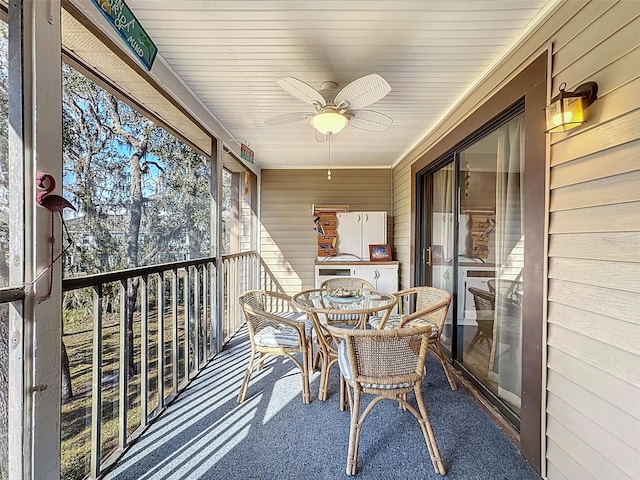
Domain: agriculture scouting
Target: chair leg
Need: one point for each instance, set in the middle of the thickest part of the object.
(247, 377)
(437, 349)
(312, 364)
(343, 403)
(427, 431)
(324, 376)
(476, 338)
(306, 395)
(354, 433)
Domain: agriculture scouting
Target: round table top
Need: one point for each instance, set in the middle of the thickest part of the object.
(365, 301)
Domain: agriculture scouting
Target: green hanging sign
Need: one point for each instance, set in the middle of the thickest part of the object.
(246, 153)
(129, 28)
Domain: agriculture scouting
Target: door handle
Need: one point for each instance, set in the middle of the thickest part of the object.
(428, 252)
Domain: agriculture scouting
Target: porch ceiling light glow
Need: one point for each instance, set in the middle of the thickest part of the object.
(329, 121)
(566, 110)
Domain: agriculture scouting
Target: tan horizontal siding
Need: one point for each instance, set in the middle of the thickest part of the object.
(402, 220)
(596, 465)
(624, 276)
(599, 383)
(613, 246)
(618, 160)
(288, 242)
(609, 218)
(606, 36)
(607, 416)
(606, 191)
(593, 326)
(601, 137)
(616, 450)
(615, 361)
(602, 301)
(567, 465)
(610, 330)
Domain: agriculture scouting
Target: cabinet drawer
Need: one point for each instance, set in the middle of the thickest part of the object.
(326, 239)
(328, 224)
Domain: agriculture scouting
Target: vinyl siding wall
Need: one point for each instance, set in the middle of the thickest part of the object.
(592, 407)
(593, 322)
(288, 242)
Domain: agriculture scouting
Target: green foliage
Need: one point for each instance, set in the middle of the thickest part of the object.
(143, 196)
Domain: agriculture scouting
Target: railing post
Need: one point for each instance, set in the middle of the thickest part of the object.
(205, 311)
(176, 344)
(187, 324)
(214, 318)
(144, 350)
(196, 318)
(160, 339)
(124, 367)
(96, 392)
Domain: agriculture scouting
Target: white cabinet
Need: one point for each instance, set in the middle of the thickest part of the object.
(383, 276)
(357, 230)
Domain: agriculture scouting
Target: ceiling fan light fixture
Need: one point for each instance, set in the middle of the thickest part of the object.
(329, 121)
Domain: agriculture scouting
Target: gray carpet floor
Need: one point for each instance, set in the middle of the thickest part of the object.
(205, 434)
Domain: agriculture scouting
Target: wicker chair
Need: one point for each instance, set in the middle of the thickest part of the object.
(272, 333)
(352, 283)
(389, 364)
(485, 303)
(511, 289)
(431, 306)
(349, 283)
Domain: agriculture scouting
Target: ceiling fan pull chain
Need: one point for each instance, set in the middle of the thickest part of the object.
(329, 171)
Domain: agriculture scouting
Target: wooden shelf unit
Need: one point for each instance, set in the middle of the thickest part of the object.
(327, 224)
(480, 224)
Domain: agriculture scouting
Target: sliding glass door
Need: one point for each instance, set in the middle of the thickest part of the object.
(472, 244)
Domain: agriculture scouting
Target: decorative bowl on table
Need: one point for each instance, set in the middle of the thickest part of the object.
(343, 294)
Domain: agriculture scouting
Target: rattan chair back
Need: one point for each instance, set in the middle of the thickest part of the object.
(268, 311)
(389, 364)
(350, 283)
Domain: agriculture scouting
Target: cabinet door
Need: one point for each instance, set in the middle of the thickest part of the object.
(374, 230)
(382, 277)
(365, 272)
(350, 233)
(386, 278)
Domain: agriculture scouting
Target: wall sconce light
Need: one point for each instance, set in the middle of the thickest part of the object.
(566, 110)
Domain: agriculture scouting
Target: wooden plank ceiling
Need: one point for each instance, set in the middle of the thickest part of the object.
(229, 54)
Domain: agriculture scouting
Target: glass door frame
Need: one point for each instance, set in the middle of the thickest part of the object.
(531, 82)
(424, 210)
(424, 216)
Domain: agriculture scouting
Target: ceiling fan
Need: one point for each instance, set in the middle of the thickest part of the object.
(333, 109)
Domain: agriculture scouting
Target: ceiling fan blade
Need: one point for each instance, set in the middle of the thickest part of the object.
(370, 120)
(288, 118)
(301, 90)
(362, 92)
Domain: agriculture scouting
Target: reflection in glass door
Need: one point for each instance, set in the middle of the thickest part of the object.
(442, 250)
(491, 260)
(473, 238)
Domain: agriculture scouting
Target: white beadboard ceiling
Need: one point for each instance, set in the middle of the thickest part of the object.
(230, 52)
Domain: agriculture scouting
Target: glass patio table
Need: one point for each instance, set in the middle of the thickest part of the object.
(349, 311)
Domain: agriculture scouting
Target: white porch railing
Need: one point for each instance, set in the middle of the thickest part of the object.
(132, 341)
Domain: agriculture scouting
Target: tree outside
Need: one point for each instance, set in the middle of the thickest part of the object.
(142, 197)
